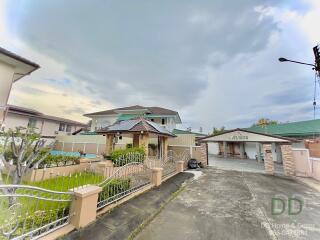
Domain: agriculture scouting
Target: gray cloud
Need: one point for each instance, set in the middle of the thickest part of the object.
(199, 57)
(157, 50)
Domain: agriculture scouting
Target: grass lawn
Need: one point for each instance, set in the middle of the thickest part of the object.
(33, 212)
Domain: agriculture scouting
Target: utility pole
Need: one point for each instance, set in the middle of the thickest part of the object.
(315, 67)
(317, 59)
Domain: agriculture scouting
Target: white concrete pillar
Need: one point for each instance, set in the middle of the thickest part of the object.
(225, 149)
(258, 151)
(274, 154)
(241, 150)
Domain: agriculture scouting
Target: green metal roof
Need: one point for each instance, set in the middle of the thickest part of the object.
(124, 117)
(293, 129)
(88, 133)
(179, 131)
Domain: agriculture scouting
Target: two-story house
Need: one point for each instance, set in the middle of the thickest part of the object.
(12, 68)
(48, 126)
(165, 117)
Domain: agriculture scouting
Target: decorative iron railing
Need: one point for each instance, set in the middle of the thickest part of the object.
(169, 163)
(126, 180)
(28, 212)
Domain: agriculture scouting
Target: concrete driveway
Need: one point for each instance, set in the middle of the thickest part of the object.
(246, 165)
(236, 205)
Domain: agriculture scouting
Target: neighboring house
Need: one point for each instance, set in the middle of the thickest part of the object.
(162, 116)
(305, 132)
(12, 68)
(47, 126)
(309, 129)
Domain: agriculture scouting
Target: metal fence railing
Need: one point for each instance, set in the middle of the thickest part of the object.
(169, 163)
(29, 212)
(32, 211)
(126, 180)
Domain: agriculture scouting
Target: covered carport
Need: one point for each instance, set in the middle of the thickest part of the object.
(269, 149)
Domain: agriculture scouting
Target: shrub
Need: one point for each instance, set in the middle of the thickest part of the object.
(114, 187)
(121, 157)
(59, 160)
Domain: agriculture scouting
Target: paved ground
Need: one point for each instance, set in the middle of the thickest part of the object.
(127, 217)
(248, 165)
(236, 205)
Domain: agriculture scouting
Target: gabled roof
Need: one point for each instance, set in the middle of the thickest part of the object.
(293, 129)
(22, 65)
(147, 111)
(36, 114)
(243, 135)
(136, 126)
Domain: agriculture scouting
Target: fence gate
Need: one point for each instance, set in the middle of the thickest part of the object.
(125, 181)
(28, 212)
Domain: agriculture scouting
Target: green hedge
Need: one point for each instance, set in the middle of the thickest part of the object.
(50, 161)
(114, 187)
(59, 160)
(121, 157)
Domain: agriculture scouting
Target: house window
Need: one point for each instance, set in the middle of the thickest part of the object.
(163, 121)
(32, 122)
(62, 127)
(68, 128)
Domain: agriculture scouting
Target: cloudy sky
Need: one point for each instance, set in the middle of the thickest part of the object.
(214, 61)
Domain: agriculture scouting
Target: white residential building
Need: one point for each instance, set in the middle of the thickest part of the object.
(12, 68)
(165, 117)
(47, 126)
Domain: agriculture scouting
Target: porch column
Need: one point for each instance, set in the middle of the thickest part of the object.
(274, 154)
(165, 147)
(135, 140)
(241, 150)
(225, 149)
(144, 142)
(287, 158)
(258, 150)
(268, 160)
(109, 144)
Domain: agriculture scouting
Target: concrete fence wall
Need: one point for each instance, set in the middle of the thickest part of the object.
(314, 148)
(305, 165)
(197, 152)
(183, 140)
(96, 144)
(315, 165)
(48, 173)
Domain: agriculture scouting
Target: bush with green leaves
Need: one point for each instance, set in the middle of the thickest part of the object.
(115, 186)
(59, 160)
(50, 160)
(121, 157)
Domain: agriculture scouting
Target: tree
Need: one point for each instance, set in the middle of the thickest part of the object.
(218, 130)
(21, 152)
(263, 122)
